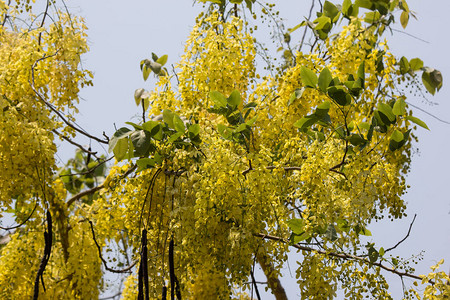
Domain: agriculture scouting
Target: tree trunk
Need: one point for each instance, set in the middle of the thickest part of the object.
(272, 279)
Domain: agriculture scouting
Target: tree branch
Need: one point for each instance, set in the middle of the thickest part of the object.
(84, 193)
(75, 144)
(126, 270)
(21, 224)
(342, 256)
(52, 108)
(407, 235)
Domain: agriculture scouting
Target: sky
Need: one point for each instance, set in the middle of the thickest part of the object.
(120, 36)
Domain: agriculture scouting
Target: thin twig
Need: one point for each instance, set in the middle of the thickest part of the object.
(409, 34)
(95, 189)
(407, 235)
(52, 108)
(75, 144)
(342, 256)
(43, 20)
(250, 168)
(88, 171)
(126, 270)
(430, 114)
(306, 27)
(254, 284)
(84, 193)
(21, 224)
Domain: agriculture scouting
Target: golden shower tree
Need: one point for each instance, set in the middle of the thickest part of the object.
(231, 165)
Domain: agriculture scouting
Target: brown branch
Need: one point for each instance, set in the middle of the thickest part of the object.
(52, 108)
(84, 193)
(341, 256)
(407, 235)
(21, 224)
(250, 168)
(95, 189)
(43, 20)
(126, 270)
(94, 154)
(254, 282)
(88, 171)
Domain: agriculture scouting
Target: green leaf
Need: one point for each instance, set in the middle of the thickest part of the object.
(309, 78)
(119, 134)
(234, 99)
(323, 24)
(361, 73)
(416, 64)
(120, 149)
(136, 126)
(296, 225)
(373, 255)
(218, 99)
(175, 137)
(322, 109)
(427, 82)
(146, 72)
(297, 238)
(224, 131)
(330, 10)
(178, 123)
(249, 4)
(349, 10)
(325, 79)
(251, 121)
(356, 139)
(342, 225)
(404, 18)
(303, 23)
(141, 142)
(372, 17)
(144, 163)
(168, 118)
(162, 60)
(397, 136)
(154, 57)
(361, 230)
(137, 96)
(365, 4)
(297, 94)
(154, 128)
(404, 65)
(241, 127)
(146, 103)
(155, 67)
(387, 111)
(331, 233)
(417, 121)
(130, 153)
(194, 129)
(436, 78)
(396, 141)
(394, 261)
(399, 107)
(339, 94)
(306, 122)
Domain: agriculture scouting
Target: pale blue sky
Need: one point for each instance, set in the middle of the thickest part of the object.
(121, 35)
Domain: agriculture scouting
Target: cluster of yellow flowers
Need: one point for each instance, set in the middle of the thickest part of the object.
(206, 209)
